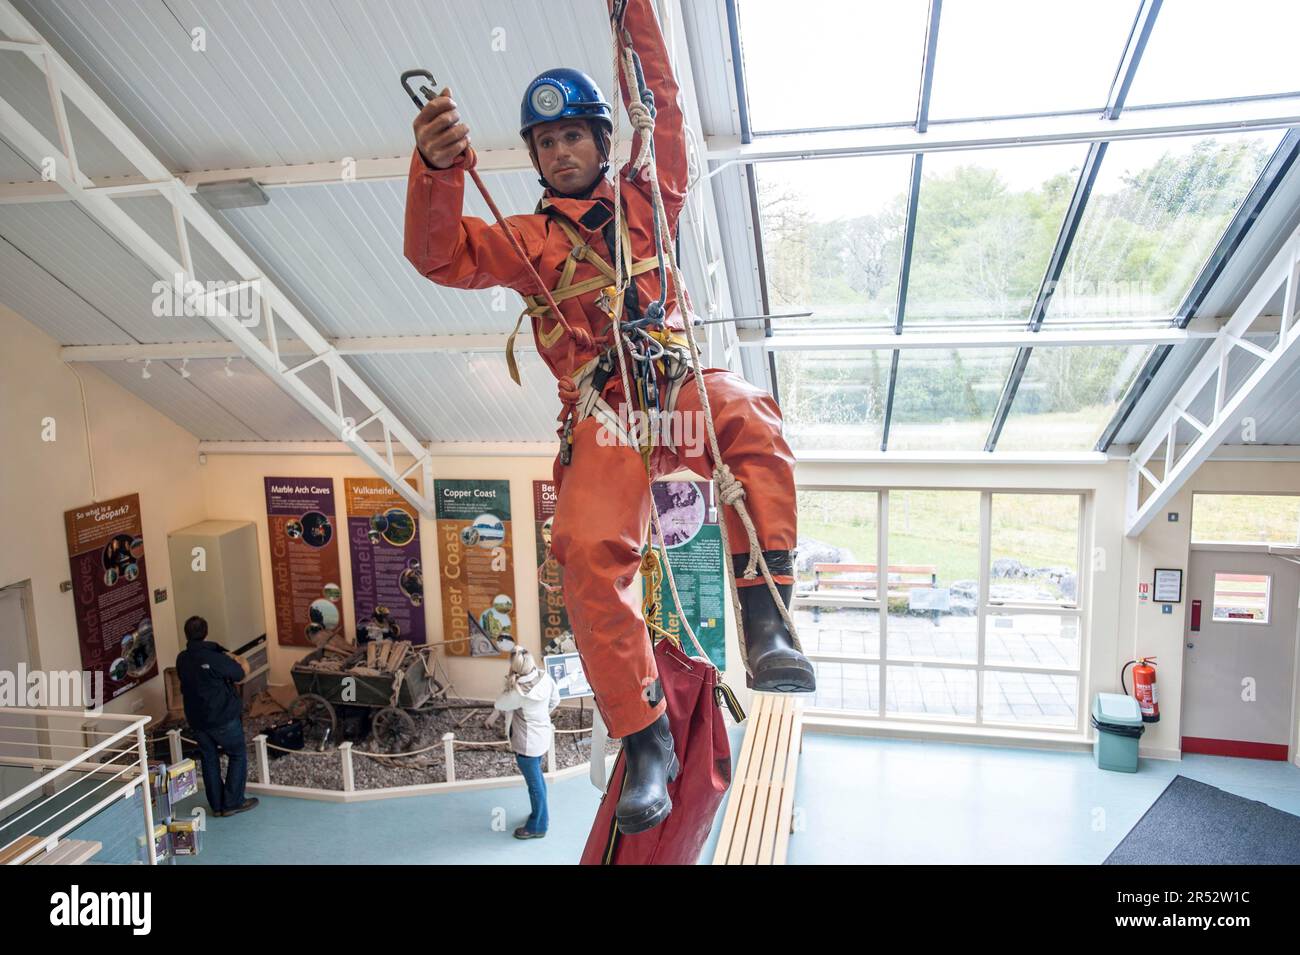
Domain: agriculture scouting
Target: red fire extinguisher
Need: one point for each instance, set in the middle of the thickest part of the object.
(1144, 687)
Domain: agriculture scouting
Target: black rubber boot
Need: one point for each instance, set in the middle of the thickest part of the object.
(774, 664)
(651, 764)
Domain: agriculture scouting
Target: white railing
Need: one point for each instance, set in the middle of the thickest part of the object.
(68, 755)
(344, 754)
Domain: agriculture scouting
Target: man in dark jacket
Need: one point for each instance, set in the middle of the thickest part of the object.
(213, 708)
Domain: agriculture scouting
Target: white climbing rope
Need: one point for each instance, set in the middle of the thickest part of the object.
(731, 491)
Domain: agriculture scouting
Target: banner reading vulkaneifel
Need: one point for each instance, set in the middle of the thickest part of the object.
(557, 632)
(387, 580)
(693, 541)
(304, 560)
(477, 573)
(111, 592)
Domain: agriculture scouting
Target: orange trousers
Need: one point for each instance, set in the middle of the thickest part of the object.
(601, 515)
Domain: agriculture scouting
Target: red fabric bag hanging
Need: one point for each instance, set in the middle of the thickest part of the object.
(695, 697)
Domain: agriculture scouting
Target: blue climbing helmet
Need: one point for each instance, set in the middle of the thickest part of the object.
(561, 94)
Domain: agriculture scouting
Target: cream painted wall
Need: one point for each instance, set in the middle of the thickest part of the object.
(233, 490)
(134, 448)
(1168, 544)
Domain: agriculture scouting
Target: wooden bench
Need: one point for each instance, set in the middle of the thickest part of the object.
(830, 577)
(760, 808)
(68, 852)
(847, 585)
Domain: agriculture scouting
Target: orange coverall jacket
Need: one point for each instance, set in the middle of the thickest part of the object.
(604, 498)
(469, 253)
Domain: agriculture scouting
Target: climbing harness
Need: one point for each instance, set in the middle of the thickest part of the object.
(730, 490)
(647, 351)
(579, 338)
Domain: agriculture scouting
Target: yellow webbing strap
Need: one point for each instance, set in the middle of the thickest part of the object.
(581, 251)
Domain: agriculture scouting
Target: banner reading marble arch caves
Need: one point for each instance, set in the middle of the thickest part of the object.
(304, 560)
(475, 566)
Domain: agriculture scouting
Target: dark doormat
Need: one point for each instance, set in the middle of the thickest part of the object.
(1196, 824)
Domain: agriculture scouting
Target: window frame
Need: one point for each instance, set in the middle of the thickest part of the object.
(1079, 610)
(1268, 600)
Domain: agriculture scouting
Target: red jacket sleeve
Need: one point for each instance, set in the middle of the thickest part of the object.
(458, 250)
(669, 135)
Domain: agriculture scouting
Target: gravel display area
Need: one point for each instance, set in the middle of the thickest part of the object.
(324, 770)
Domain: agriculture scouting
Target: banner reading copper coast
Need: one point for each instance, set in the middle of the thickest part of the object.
(111, 592)
(304, 560)
(475, 567)
(387, 579)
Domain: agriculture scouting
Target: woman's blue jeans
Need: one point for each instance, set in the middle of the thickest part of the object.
(531, 767)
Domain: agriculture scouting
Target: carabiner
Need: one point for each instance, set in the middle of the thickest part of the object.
(428, 90)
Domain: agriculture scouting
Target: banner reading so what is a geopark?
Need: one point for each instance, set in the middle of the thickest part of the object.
(111, 591)
(387, 579)
(477, 573)
(304, 560)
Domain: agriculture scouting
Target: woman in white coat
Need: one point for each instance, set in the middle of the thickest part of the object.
(530, 696)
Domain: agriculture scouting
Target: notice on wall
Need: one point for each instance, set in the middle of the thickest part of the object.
(693, 541)
(557, 632)
(304, 560)
(111, 591)
(475, 566)
(387, 580)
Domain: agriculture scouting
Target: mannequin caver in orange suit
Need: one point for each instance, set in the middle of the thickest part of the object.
(604, 496)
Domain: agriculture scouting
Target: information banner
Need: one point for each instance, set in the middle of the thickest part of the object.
(384, 544)
(111, 591)
(475, 567)
(304, 560)
(693, 541)
(557, 632)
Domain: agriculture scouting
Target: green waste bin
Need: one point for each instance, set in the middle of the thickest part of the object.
(1118, 723)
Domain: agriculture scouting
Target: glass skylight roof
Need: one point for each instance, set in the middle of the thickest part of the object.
(831, 63)
(986, 223)
(1208, 49)
(1026, 56)
(1156, 212)
(991, 227)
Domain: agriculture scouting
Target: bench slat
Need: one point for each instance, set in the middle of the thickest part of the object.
(763, 789)
(756, 824)
(777, 787)
(739, 773)
(748, 783)
(786, 815)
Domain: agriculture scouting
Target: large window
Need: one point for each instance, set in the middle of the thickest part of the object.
(1246, 519)
(1082, 240)
(976, 595)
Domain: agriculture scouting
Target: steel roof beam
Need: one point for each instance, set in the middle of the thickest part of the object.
(272, 304)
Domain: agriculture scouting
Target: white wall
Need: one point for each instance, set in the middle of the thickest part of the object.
(1168, 544)
(137, 449)
(134, 449)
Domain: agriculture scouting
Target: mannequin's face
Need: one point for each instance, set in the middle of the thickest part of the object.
(566, 154)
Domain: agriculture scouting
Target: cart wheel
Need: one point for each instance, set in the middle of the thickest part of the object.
(318, 714)
(392, 730)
